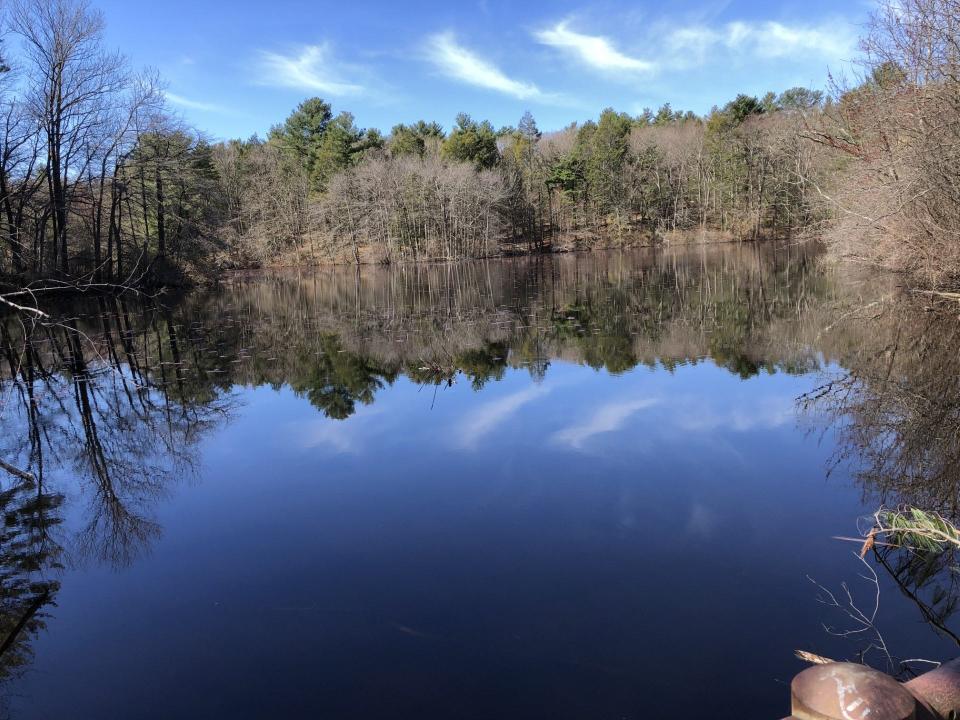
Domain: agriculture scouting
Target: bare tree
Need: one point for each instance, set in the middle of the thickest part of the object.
(75, 85)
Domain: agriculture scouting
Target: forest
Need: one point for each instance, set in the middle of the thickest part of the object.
(101, 183)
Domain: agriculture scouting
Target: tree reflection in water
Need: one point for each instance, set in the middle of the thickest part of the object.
(338, 338)
(29, 557)
(98, 405)
(111, 403)
(895, 406)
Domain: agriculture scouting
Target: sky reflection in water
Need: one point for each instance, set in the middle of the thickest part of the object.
(564, 487)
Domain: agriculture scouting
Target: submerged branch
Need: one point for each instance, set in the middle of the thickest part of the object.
(17, 472)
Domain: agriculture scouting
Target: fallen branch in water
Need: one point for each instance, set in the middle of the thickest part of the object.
(867, 545)
(939, 293)
(17, 472)
(22, 308)
(812, 658)
(14, 298)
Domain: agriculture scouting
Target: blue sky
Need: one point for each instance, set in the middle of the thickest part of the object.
(236, 68)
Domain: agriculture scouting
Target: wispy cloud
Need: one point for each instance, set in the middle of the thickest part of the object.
(833, 42)
(764, 413)
(462, 64)
(194, 104)
(775, 40)
(337, 436)
(490, 415)
(683, 47)
(313, 68)
(702, 520)
(607, 418)
(329, 434)
(595, 51)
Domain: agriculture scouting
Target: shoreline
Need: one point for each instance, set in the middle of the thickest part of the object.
(57, 289)
(333, 262)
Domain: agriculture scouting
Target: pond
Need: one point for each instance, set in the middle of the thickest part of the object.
(601, 485)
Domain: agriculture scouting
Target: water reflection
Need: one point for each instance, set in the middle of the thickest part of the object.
(105, 399)
(896, 407)
(113, 406)
(338, 338)
(29, 555)
(897, 403)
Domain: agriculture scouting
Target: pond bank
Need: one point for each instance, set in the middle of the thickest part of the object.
(372, 255)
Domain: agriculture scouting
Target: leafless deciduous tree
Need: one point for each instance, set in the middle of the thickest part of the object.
(98, 183)
(898, 200)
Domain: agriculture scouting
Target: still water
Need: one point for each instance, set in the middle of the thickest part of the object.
(583, 486)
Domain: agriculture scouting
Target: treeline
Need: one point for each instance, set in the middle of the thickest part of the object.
(99, 181)
(740, 172)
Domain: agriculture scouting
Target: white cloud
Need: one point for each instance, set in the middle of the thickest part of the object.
(194, 104)
(831, 42)
(313, 69)
(488, 416)
(330, 434)
(776, 40)
(702, 520)
(764, 413)
(461, 64)
(608, 418)
(594, 50)
(693, 45)
(336, 436)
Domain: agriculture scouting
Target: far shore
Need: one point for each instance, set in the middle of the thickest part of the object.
(368, 257)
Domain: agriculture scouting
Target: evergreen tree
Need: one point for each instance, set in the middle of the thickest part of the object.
(742, 107)
(414, 139)
(474, 142)
(528, 127)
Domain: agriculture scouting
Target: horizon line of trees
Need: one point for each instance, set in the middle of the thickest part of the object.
(99, 182)
(420, 192)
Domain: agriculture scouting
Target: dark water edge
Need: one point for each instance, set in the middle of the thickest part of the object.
(581, 485)
(575, 243)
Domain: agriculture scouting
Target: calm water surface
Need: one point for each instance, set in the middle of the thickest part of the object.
(584, 486)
